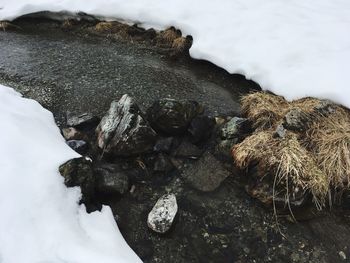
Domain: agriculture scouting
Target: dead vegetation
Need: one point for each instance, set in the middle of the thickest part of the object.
(314, 158)
(6, 25)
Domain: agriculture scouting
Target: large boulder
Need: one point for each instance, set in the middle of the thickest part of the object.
(171, 116)
(163, 214)
(123, 131)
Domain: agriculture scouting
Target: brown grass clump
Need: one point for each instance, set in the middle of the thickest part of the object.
(166, 38)
(329, 140)
(5, 25)
(293, 166)
(315, 158)
(263, 109)
(112, 27)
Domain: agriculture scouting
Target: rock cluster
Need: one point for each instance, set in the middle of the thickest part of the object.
(128, 148)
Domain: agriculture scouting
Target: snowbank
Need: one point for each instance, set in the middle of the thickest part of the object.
(41, 220)
(295, 48)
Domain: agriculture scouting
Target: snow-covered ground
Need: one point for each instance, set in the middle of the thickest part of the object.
(41, 220)
(295, 48)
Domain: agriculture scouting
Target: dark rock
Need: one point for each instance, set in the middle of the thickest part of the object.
(188, 150)
(280, 132)
(233, 128)
(163, 214)
(295, 120)
(206, 174)
(79, 146)
(78, 172)
(111, 179)
(82, 121)
(163, 164)
(123, 131)
(72, 134)
(172, 116)
(201, 128)
(164, 145)
(224, 147)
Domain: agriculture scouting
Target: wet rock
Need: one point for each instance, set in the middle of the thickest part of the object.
(187, 150)
(164, 145)
(123, 131)
(172, 116)
(79, 146)
(163, 164)
(233, 128)
(201, 128)
(206, 174)
(224, 147)
(295, 120)
(78, 172)
(280, 132)
(72, 134)
(82, 121)
(163, 214)
(263, 191)
(111, 179)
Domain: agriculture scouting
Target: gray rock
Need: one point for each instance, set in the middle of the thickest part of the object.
(84, 120)
(325, 107)
(172, 116)
(123, 131)
(163, 214)
(233, 128)
(224, 147)
(296, 120)
(72, 134)
(111, 179)
(79, 146)
(280, 132)
(206, 174)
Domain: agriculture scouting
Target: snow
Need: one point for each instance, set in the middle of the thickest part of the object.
(294, 48)
(41, 220)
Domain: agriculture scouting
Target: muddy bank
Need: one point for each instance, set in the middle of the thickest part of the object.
(70, 71)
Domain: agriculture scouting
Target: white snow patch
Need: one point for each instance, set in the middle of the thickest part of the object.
(295, 48)
(41, 220)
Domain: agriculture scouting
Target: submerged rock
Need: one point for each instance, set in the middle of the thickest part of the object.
(78, 172)
(111, 179)
(164, 145)
(163, 214)
(187, 150)
(163, 164)
(201, 128)
(206, 174)
(79, 146)
(84, 120)
(123, 131)
(172, 116)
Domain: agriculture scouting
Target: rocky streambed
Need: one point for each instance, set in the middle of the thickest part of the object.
(172, 135)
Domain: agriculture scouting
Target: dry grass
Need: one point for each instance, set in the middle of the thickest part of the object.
(112, 27)
(316, 159)
(263, 109)
(293, 167)
(328, 138)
